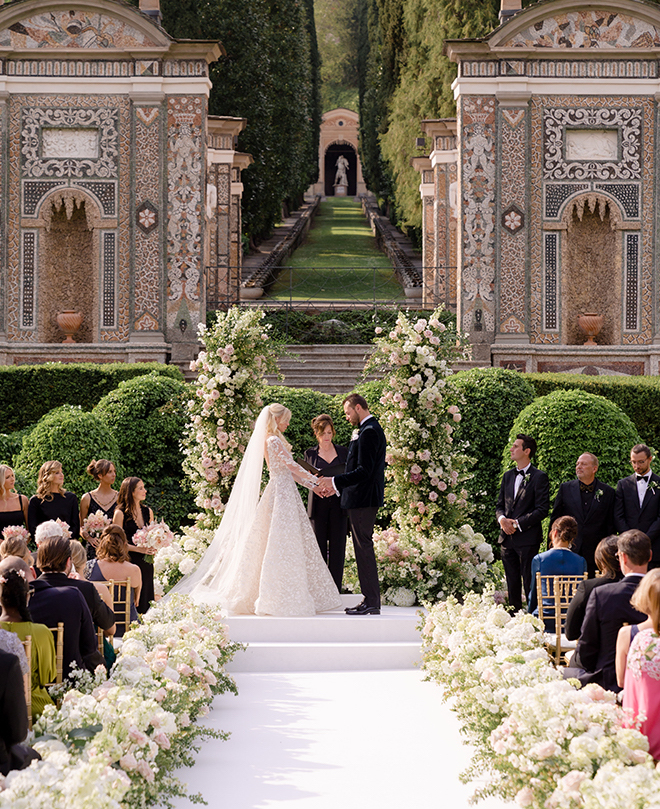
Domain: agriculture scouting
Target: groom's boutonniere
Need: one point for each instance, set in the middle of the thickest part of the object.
(598, 494)
(354, 435)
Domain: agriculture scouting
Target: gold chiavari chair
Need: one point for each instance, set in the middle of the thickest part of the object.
(27, 678)
(121, 603)
(58, 633)
(554, 594)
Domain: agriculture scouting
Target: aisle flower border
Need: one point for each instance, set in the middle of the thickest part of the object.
(115, 743)
(543, 742)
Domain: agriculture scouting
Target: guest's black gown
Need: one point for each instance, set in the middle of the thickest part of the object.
(147, 568)
(93, 508)
(16, 517)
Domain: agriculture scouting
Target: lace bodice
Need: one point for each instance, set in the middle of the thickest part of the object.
(280, 462)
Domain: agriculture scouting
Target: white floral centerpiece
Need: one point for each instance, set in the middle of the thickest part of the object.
(180, 558)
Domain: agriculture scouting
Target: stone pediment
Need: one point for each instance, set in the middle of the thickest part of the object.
(57, 25)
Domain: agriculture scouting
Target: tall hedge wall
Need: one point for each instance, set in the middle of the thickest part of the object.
(637, 396)
(28, 392)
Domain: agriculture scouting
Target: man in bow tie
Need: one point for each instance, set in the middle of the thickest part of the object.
(637, 502)
(591, 503)
(523, 503)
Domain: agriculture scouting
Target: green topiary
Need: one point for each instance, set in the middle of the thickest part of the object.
(489, 399)
(69, 435)
(568, 423)
(148, 416)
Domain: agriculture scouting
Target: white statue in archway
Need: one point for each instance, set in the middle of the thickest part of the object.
(341, 177)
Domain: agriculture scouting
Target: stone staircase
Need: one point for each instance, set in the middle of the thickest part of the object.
(331, 641)
(326, 368)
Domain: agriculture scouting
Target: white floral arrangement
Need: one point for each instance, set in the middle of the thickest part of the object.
(95, 524)
(425, 567)
(179, 558)
(119, 743)
(155, 535)
(16, 532)
(543, 742)
(237, 354)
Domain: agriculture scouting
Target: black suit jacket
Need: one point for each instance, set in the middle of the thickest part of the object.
(628, 514)
(578, 606)
(50, 605)
(102, 615)
(594, 524)
(530, 507)
(608, 609)
(363, 483)
(13, 711)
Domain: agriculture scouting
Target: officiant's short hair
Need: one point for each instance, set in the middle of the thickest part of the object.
(320, 422)
(355, 399)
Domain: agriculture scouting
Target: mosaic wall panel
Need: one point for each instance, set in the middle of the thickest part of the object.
(645, 147)
(550, 281)
(72, 30)
(147, 314)
(181, 68)
(28, 278)
(557, 194)
(631, 319)
(563, 68)
(109, 279)
(477, 183)
(587, 29)
(513, 233)
(111, 113)
(185, 203)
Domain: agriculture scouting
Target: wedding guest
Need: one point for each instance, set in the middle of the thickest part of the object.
(54, 561)
(609, 571)
(15, 547)
(591, 503)
(15, 617)
(112, 563)
(10, 642)
(131, 514)
(558, 561)
(79, 570)
(329, 520)
(52, 501)
(637, 502)
(522, 505)
(13, 716)
(103, 498)
(608, 609)
(641, 686)
(13, 506)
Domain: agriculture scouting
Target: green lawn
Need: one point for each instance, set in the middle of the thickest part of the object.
(339, 260)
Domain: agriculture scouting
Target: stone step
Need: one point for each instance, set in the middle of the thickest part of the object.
(278, 657)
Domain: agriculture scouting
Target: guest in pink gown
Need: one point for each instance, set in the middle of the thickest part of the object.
(641, 690)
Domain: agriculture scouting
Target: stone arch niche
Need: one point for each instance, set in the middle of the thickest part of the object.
(592, 272)
(68, 275)
(331, 156)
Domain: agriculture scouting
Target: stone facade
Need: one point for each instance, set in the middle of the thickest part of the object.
(104, 149)
(339, 128)
(558, 116)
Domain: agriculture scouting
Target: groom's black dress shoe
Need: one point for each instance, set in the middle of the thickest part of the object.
(362, 609)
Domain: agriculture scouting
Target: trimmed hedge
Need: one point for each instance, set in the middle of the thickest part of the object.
(489, 400)
(28, 392)
(637, 396)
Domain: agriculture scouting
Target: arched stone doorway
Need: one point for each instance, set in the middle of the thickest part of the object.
(592, 275)
(331, 156)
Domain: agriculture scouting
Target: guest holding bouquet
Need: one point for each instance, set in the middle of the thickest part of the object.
(52, 501)
(13, 506)
(329, 519)
(98, 506)
(131, 514)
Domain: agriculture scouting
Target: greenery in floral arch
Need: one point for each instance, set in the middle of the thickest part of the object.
(237, 354)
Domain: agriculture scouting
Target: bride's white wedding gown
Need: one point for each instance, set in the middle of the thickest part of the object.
(278, 569)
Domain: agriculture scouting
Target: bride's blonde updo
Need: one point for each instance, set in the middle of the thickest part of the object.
(276, 413)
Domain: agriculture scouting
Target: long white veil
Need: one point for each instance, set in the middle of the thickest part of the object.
(217, 570)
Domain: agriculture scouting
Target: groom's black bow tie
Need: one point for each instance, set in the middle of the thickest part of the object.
(645, 478)
(521, 472)
(587, 487)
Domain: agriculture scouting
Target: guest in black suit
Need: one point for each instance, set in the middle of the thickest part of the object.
(608, 609)
(54, 560)
(329, 519)
(13, 710)
(591, 503)
(362, 489)
(523, 503)
(637, 503)
(609, 572)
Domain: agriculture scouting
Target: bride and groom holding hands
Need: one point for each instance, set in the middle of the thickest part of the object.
(264, 558)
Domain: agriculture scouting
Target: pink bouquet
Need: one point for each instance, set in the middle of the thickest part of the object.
(156, 535)
(94, 524)
(16, 532)
(66, 531)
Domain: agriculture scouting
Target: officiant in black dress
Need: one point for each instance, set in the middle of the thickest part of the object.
(329, 519)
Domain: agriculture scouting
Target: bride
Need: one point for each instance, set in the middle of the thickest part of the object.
(264, 558)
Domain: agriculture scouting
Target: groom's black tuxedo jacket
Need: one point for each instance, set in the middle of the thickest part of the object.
(628, 514)
(594, 522)
(363, 483)
(530, 507)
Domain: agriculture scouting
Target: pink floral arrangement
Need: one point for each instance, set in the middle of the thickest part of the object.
(94, 524)
(66, 530)
(16, 532)
(156, 535)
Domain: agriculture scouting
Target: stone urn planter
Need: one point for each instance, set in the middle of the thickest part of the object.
(591, 324)
(69, 321)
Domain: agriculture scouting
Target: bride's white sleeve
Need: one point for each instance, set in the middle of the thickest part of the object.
(279, 453)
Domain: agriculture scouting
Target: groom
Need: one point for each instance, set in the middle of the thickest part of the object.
(362, 487)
